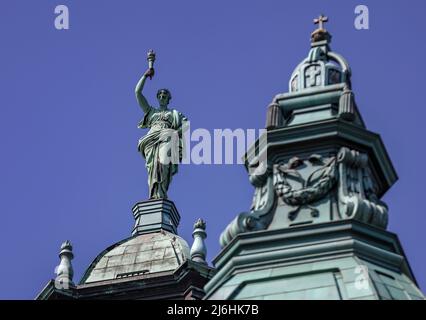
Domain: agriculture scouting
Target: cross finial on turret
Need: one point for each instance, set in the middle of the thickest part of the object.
(319, 35)
(320, 21)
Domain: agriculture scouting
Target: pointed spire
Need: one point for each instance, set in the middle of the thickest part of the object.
(199, 249)
(64, 272)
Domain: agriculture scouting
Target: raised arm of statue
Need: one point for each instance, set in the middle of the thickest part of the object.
(138, 90)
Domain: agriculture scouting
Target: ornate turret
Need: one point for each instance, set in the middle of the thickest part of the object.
(317, 224)
(323, 164)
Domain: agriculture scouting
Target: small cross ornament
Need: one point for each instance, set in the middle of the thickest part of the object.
(320, 21)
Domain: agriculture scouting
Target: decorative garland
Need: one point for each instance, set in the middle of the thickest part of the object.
(308, 193)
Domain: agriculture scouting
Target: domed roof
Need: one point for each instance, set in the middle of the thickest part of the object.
(321, 67)
(142, 254)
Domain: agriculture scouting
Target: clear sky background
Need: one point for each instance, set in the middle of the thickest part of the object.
(69, 167)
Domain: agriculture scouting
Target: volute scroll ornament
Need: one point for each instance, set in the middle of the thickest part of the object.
(357, 194)
(260, 215)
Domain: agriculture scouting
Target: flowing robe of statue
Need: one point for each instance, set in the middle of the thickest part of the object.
(161, 147)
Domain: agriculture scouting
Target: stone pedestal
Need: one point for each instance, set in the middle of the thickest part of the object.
(155, 215)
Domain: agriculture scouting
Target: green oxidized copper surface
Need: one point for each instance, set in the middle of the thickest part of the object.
(323, 164)
(161, 146)
(316, 228)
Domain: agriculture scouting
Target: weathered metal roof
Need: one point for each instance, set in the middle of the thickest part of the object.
(143, 254)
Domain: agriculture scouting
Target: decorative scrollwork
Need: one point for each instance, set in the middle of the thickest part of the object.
(357, 193)
(345, 179)
(257, 219)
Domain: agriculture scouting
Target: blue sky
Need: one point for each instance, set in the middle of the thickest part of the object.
(69, 165)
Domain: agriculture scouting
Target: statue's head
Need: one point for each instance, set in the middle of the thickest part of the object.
(163, 96)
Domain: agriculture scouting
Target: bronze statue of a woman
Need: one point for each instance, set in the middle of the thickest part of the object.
(161, 146)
